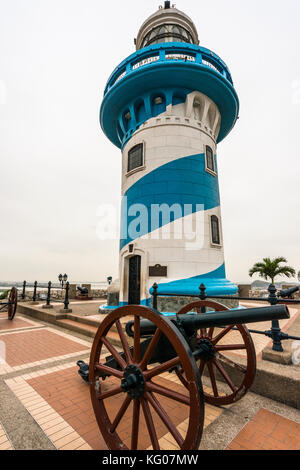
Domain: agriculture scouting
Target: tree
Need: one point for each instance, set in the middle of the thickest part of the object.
(4, 294)
(270, 268)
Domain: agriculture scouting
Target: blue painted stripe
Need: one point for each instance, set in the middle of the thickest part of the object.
(215, 283)
(183, 181)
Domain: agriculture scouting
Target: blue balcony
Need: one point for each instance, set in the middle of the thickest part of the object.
(172, 66)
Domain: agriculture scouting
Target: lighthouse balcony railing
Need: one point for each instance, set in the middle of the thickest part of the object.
(171, 52)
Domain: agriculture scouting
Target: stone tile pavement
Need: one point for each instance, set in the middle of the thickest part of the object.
(40, 374)
(268, 431)
(5, 443)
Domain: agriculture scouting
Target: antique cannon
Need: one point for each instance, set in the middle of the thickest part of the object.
(83, 290)
(153, 385)
(288, 292)
(11, 303)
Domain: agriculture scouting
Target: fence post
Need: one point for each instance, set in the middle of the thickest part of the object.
(275, 330)
(203, 296)
(154, 294)
(49, 293)
(24, 290)
(34, 291)
(66, 302)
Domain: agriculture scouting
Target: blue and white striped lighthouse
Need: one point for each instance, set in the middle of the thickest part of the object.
(167, 106)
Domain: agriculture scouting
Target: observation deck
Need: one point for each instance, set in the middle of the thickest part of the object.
(171, 67)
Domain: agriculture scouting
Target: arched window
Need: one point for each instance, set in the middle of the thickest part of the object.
(215, 230)
(135, 157)
(209, 160)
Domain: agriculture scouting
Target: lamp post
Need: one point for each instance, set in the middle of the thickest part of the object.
(62, 279)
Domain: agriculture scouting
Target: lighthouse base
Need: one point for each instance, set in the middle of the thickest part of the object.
(186, 289)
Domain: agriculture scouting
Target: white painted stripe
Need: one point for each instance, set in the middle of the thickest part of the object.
(188, 255)
(166, 138)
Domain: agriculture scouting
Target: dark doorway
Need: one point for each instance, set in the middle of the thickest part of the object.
(134, 287)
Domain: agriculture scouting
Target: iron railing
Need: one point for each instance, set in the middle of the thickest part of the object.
(65, 301)
(274, 333)
(166, 52)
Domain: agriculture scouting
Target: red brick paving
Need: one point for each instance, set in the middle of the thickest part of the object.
(66, 392)
(38, 345)
(268, 431)
(6, 324)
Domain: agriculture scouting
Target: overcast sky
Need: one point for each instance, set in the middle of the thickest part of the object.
(57, 167)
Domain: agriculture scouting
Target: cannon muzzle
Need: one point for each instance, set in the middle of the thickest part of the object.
(288, 292)
(193, 321)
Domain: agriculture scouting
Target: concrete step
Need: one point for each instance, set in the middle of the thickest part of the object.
(87, 330)
(85, 320)
(90, 330)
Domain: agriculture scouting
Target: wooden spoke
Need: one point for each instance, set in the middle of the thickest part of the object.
(230, 347)
(150, 349)
(180, 375)
(165, 418)
(228, 361)
(137, 340)
(140, 408)
(222, 334)
(110, 393)
(201, 367)
(225, 375)
(150, 425)
(109, 370)
(168, 393)
(213, 379)
(120, 413)
(161, 368)
(135, 424)
(114, 352)
(245, 344)
(124, 342)
(211, 332)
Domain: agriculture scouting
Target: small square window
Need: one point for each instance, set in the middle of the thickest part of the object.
(135, 157)
(210, 161)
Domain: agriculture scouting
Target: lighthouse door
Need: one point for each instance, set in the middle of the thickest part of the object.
(134, 288)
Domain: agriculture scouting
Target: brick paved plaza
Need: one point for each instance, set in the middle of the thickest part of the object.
(46, 405)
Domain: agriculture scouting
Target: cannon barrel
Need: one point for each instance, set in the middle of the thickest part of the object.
(288, 292)
(224, 318)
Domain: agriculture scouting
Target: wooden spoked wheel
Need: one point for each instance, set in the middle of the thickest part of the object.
(12, 303)
(136, 407)
(222, 345)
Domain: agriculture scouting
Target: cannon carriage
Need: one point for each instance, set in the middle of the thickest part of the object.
(152, 385)
(10, 305)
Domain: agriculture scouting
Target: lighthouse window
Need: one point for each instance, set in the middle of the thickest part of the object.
(135, 157)
(210, 162)
(167, 33)
(215, 230)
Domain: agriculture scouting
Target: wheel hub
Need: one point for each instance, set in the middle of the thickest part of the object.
(206, 350)
(133, 381)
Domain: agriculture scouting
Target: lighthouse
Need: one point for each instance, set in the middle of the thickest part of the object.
(167, 107)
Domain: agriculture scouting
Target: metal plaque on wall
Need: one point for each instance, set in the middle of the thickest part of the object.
(158, 271)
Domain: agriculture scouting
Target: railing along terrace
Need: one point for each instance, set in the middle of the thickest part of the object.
(173, 52)
(50, 287)
(275, 297)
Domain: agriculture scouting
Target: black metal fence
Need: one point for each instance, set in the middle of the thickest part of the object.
(49, 299)
(275, 297)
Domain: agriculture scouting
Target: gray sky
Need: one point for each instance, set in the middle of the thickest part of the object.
(57, 167)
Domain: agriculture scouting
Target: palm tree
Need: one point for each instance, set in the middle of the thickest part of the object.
(270, 268)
